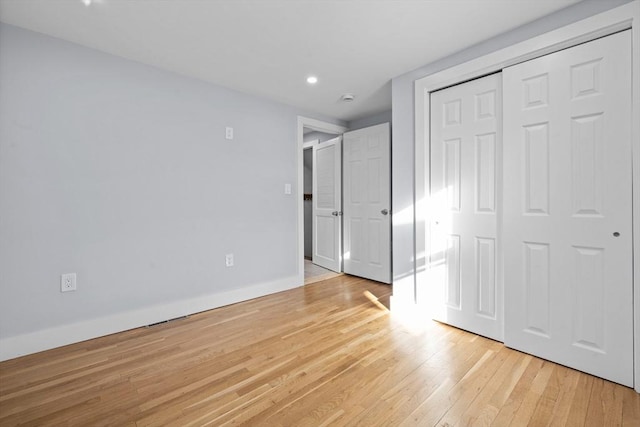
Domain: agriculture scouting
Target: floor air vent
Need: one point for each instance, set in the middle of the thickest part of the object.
(166, 321)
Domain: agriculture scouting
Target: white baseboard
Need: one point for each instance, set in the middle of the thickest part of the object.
(45, 339)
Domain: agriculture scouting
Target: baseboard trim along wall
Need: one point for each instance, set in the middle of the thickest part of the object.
(46, 339)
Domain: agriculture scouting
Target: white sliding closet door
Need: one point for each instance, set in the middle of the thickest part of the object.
(567, 208)
(465, 202)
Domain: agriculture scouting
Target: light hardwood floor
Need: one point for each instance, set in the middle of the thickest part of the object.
(328, 354)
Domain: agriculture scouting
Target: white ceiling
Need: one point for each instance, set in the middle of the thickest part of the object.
(269, 47)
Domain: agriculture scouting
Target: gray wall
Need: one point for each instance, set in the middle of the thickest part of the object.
(403, 127)
(376, 119)
(120, 172)
(320, 136)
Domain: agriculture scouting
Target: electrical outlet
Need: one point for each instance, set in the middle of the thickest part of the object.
(68, 282)
(228, 133)
(287, 189)
(228, 260)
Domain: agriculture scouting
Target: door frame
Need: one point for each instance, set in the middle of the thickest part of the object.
(606, 23)
(319, 126)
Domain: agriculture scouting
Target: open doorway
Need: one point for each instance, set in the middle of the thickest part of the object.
(350, 233)
(314, 142)
(323, 131)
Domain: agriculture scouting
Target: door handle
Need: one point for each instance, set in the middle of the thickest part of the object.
(336, 213)
(384, 212)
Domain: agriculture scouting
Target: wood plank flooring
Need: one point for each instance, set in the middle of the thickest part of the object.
(328, 354)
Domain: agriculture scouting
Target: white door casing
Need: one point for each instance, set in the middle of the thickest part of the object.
(304, 124)
(327, 205)
(367, 203)
(568, 208)
(464, 248)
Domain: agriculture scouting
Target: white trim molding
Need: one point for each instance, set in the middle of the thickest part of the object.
(614, 20)
(20, 345)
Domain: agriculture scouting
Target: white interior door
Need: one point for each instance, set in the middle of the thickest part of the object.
(567, 208)
(464, 248)
(327, 201)
(367, 203)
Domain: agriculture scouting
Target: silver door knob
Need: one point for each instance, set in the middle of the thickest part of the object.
(334, 213)
(384, 212)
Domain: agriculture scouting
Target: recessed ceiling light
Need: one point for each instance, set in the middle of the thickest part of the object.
(89, 3)
(312, 80)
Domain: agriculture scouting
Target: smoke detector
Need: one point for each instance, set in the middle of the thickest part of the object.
(348, 97)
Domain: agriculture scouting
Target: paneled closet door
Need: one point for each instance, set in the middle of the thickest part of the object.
(567, 208)
(464, 268)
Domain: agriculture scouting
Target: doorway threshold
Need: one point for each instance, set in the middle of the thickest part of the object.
(314, 273)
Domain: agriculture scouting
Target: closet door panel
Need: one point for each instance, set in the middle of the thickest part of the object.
(465, 285)
(567, 208)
